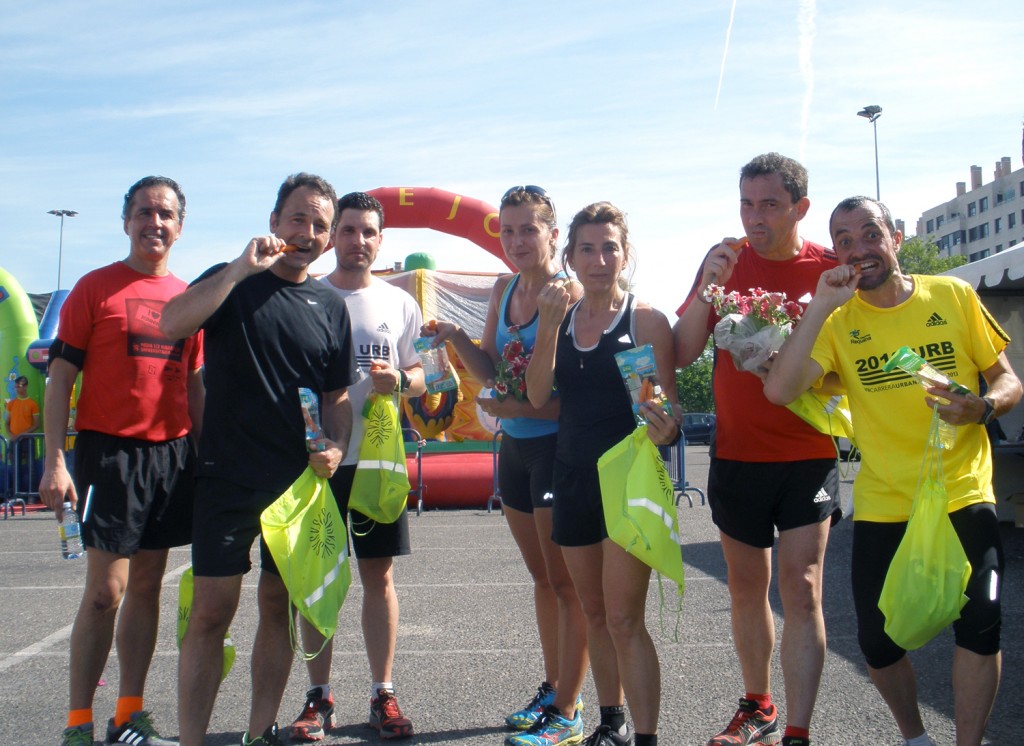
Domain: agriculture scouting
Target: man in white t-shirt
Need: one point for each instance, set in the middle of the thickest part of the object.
(385, 322)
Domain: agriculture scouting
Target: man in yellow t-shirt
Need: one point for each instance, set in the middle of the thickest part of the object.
(862, 312)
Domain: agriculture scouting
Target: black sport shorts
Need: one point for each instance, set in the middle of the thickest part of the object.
(525, 472)
(749, 500)
(578, 514)
(134, 494)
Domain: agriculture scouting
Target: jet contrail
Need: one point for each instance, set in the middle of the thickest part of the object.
(725, 53)
(805, 24)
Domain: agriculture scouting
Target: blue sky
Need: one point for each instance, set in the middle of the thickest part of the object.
(630, 103)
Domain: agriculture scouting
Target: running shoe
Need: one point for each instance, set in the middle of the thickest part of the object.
(605, 736)
(270, 737)
(526, 717)
(550, 728)
(316, 718)
(749, 725)
(80, 735)
(138, 731)
(386, 716)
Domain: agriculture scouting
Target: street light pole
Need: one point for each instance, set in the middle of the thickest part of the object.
(60, 247)
(872, 113)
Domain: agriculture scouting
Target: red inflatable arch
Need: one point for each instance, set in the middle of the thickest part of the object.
(455, 214)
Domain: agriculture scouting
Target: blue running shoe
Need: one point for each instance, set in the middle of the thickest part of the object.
(550, 728)
(525, 718)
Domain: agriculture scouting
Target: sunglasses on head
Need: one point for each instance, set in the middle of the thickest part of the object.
(529, 189)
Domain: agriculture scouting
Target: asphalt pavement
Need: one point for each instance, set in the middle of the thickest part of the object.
(467, 646)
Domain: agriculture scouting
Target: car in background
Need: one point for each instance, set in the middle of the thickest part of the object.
(698, 427)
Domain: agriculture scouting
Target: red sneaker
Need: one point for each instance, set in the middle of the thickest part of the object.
(387, 717)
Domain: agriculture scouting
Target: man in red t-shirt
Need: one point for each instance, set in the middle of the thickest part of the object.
(139, 408)
(769, 469)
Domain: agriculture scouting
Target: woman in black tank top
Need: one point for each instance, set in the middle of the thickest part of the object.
(575, 350)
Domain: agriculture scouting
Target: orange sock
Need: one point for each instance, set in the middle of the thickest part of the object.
(79, 717)
(125, 707)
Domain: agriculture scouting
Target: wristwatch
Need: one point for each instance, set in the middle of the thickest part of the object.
(403, 381)
(990, 411)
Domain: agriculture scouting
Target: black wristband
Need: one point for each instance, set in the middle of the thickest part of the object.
(679, 435)
(403, 381)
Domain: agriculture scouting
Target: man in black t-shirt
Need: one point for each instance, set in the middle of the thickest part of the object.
(269, 330)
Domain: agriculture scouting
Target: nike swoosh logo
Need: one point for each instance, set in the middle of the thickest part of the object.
(311, 302)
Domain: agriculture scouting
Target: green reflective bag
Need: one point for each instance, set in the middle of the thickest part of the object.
(380, 487)
(924, 587)
(826, 414)
(307, 539)
(186, 591)
(639, 504)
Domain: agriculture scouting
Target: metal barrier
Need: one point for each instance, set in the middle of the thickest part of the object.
(420, 488)
(9, 499)
(675, 462)
(495, 495)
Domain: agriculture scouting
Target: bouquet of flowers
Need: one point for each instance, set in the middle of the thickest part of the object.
(753, 326)
(510, 378)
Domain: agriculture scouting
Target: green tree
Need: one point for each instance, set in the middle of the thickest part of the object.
(920, 256)
(694, 382)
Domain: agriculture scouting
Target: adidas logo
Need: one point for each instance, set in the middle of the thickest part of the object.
(822, 497)
(383, 328)
(936, 320)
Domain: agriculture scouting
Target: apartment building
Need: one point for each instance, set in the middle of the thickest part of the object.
(981, 222)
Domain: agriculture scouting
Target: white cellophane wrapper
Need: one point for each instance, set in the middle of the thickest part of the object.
(749, 344)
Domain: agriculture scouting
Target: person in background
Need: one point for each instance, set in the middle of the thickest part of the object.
(529, 236)
(574, 349)
(270, 329)
(769, 469)
(139, 411)
(870, 300)
(385, 322)
(21, 416)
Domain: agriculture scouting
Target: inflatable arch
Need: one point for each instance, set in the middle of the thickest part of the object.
(447, 212)
(18, 330)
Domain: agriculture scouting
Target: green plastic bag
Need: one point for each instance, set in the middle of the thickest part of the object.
(826, 414)
(186, 591)
(639, 504)
(380, 488)
(307, 539)
(924, 587)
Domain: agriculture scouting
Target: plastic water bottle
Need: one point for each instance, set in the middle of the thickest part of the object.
(71, 546)
(435, 366)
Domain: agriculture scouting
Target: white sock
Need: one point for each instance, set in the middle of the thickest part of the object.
(325, 690)
(377, 685)
(921, 740)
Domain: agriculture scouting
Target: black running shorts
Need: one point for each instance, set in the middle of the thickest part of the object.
(134, 494)
(749, 500)
(525, 472)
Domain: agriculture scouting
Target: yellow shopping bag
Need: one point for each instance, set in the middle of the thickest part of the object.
(924, 587)
(307, 539)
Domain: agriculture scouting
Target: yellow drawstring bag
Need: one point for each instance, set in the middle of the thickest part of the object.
(307, 539)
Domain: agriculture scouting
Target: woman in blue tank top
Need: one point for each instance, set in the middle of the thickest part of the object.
(574, 349)
(529, 232)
